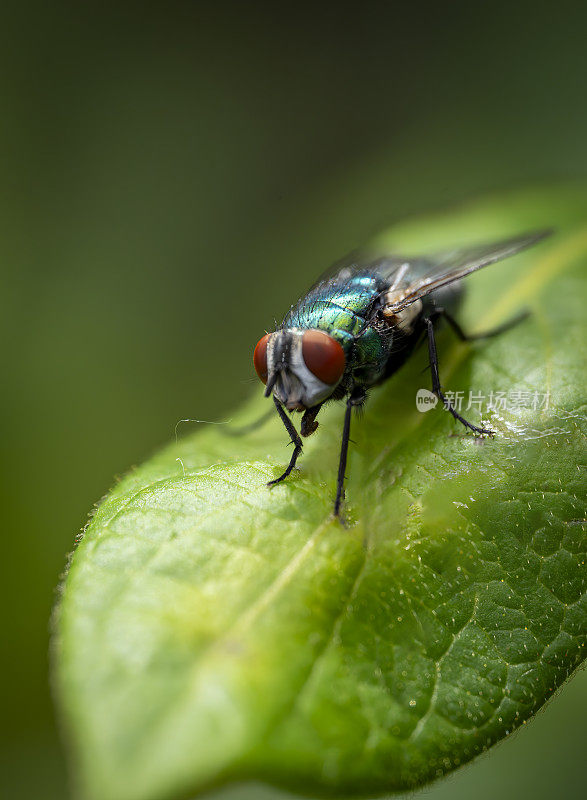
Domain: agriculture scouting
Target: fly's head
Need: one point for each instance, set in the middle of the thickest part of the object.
(301, 367)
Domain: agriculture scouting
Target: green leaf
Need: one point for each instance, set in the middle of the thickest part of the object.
(213, 630)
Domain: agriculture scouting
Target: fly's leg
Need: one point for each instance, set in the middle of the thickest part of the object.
(471, 337)
(355, 399)
(295, 440)
(309, 424)
(436, 383)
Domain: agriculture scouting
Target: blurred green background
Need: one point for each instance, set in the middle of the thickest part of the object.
(173, 176)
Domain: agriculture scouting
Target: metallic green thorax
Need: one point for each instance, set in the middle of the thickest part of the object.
(341, 311)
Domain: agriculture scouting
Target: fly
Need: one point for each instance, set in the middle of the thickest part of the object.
(358, 325)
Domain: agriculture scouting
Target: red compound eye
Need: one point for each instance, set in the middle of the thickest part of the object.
(323, 355)
(260, 358)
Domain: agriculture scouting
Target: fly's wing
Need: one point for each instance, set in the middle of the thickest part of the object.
(359, 261)
(413, 279)
(379, 273)
(403, 280)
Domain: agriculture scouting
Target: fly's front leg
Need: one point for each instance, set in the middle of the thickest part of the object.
(295, 440)
(436, 383)
(355, 399)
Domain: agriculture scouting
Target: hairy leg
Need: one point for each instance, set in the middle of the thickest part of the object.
(436, 383)
(354, 400)
(295, 440)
